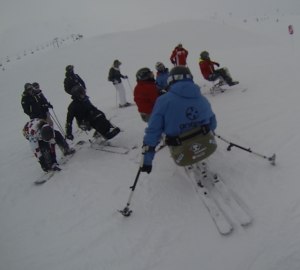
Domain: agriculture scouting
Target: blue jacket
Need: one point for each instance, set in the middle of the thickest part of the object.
(161, 79)
(181, 109)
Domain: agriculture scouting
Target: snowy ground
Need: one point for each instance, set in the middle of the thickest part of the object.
(72, 223)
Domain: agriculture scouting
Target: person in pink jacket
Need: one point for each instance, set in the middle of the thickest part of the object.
(179, 55)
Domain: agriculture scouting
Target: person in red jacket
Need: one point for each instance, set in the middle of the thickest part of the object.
(209, 73)
(179, 55)
(145, 92)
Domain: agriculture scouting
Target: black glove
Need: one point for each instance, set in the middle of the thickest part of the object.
(217, 64)
(70, 137)
(173, 62)
(146, 168)
(50, 106)
(125, 77)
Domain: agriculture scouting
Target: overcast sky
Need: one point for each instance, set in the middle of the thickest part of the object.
(26, 22)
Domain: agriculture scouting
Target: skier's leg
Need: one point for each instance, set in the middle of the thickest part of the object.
(104, 127)
(122, 95)
(62, 144)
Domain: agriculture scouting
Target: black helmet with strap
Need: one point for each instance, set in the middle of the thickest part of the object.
(204, 55)
(179, 73)
(77, 90)
(143, 74)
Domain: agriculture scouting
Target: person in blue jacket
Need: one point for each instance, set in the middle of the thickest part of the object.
(161, 78)
(181, 111)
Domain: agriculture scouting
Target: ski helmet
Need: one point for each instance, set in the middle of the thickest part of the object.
(204, 55)
(27, 87)
(35, 85)
(159, 66)
(69, 67)
(77, 90)
(47, 133)
(143, 74)
(179, 73)
(117, 63)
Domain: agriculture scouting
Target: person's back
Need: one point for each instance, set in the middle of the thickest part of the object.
(72, 80)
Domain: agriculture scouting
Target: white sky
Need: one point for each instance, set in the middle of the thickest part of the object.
(25, 23)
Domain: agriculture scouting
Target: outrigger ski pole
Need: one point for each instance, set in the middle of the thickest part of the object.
(271, 159)
(126, 211)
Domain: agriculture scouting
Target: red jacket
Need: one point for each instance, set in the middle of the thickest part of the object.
(145, 95)
(179, 56)
(206, 67)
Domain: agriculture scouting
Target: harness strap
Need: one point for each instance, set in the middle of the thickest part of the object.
(177, 141)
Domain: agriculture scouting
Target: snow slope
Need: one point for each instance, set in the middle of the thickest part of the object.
(71, 222)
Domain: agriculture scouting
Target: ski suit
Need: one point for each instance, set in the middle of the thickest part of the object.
(115, 77)
(161, 79)
(178, 56)
(72, 80)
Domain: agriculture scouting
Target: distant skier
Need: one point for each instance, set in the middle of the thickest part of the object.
(145, 92)
(115, 77)
(209, 73)
(43, 101)
(72, 80)
(179, 56)
(186, 117)
(87, 116)
(162, 75)
(42, 138)
(30, 103)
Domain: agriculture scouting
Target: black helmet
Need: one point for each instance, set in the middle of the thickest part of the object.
(77, 90)
(160, 66)
(35, 85)
(47, 133)
(204, 55)
(69, 67)
(143, 74)
(27, 87)
(117, 63)
(179, 73)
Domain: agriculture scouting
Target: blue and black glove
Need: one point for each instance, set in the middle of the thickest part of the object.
(148, 157)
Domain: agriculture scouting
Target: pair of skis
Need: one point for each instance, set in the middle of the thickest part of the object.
(200, 174)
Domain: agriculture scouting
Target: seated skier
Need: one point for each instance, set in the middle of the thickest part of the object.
(88, 116)
(42, 139)
(186, 117)
(161, 78)
(209, 73)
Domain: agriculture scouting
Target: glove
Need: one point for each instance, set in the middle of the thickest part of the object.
(125, 77)
(161, 92)
(70, 137)
(148, 157)
(50, 106)
(173, 62)
(217, 64)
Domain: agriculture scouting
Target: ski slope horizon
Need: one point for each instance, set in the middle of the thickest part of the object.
(71, 222)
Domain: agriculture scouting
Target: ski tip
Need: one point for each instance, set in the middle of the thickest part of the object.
(40, 182)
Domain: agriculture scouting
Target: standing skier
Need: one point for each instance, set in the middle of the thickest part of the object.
(145, 92)
(115, 77)
(43, 101)
(179, 55)
(87, 116)
(186, 117)
(161, 77)
(30, 103)
(209, 73)
(72, 80)
(42, 139)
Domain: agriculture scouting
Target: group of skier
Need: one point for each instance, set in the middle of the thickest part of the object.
(171, 104)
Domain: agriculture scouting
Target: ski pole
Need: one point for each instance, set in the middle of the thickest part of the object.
(55, 119)
(271, 159)
(129, 85)
(126, 211)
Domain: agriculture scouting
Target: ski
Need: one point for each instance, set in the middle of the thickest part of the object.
(242, 216)
(221, 222)
(44, 178)
(64, 159)
(108, 147)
